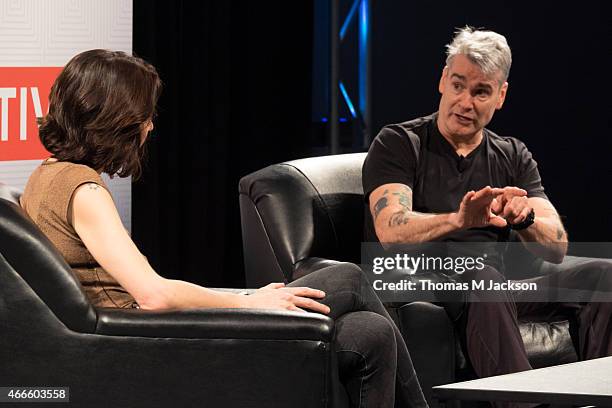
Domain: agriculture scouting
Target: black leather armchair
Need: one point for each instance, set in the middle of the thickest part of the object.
(50, 335)
(304, 214)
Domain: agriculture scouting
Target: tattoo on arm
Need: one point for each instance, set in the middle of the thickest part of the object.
(405, 200)
(402, 217)
(559, 233)
(404, 197)
(380, 205)
(398, 218)
(93, 186)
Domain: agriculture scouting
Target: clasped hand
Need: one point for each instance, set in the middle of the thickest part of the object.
(492, 207)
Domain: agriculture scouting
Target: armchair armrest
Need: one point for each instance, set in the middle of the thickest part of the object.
(216, 324)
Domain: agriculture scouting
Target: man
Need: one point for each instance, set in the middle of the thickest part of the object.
(445, 177)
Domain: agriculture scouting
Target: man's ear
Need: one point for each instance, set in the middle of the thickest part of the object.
(502, 95)
(443, 79)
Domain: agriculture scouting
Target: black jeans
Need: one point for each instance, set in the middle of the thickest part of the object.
(374, 362)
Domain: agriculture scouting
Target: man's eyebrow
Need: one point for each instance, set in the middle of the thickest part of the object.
(484, 85)
(479, 85)
(461, 77)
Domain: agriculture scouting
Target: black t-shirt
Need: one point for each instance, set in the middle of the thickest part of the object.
(439, 177)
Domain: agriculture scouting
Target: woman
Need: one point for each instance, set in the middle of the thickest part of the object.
(101, 109)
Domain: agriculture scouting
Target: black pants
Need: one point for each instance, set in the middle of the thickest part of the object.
(374, 362)
(493, 341)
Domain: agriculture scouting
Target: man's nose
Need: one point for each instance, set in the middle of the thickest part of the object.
(466, 101)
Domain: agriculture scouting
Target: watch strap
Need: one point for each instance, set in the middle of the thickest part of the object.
(525, 223)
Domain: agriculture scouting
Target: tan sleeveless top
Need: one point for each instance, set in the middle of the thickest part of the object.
(46, 200)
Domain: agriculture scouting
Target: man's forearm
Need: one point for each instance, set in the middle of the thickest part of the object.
(395, 222)
(404, 226)
(546, 238)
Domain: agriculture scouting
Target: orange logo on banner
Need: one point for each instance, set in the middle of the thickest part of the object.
(24, 96)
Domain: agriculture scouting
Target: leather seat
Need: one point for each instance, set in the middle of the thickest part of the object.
(51, 335)
(302, 215)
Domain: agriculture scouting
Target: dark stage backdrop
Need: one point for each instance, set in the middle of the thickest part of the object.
(238, 97)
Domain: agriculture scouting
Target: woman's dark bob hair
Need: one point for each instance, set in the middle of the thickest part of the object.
(99, 106)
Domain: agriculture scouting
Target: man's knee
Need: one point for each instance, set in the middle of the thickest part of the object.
(487, 273)
(598, 274)
(587, 274)
(601, 271)
(482, 287)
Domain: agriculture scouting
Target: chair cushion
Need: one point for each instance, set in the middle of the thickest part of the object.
(548, 343)
(28, 252)
(307, 208)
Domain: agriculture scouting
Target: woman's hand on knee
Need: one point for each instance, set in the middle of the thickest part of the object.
(278, 296)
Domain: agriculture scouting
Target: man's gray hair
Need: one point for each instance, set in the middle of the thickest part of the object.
(487, 49)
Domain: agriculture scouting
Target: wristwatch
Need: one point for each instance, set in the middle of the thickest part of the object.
(525, 224)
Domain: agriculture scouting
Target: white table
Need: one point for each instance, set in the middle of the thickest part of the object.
(582, 383)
